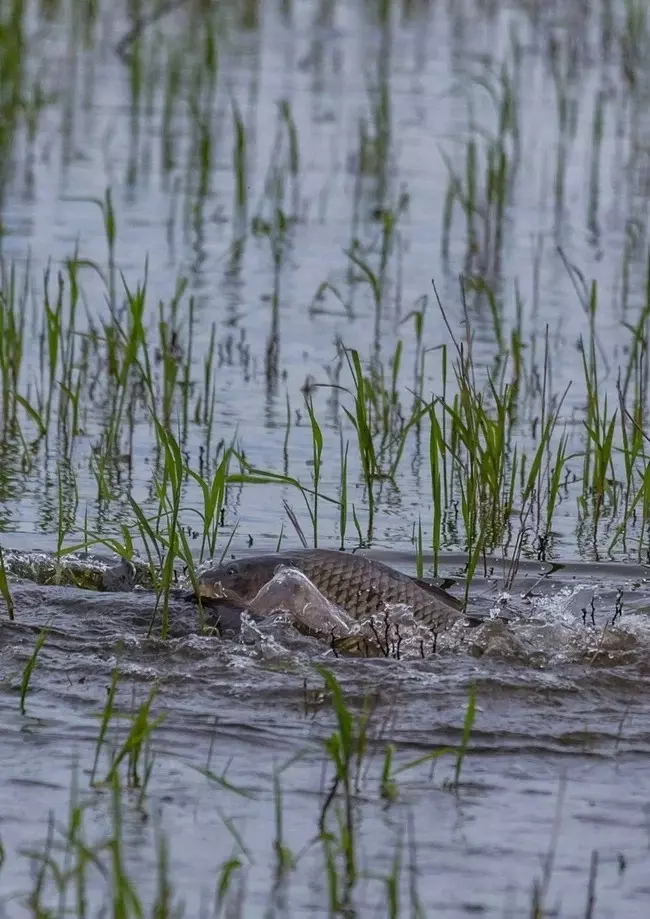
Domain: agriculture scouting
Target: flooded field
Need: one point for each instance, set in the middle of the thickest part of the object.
(363, 275)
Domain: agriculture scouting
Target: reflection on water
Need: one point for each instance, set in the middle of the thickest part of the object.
(307, 169)
(308, 175)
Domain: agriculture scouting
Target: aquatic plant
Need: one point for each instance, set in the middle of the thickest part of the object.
(481, 426)
(69, 865)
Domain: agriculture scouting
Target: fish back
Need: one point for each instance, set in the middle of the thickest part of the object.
(365, 587)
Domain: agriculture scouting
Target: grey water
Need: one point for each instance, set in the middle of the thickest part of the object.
(559, 750)
(556, 764)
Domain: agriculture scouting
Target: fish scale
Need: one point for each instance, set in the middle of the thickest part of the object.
(359, 585)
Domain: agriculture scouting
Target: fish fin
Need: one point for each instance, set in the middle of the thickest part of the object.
(439, 592)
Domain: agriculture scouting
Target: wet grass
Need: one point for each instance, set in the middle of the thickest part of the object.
(493, 487)
(497, 480)
(111, 396)
(29, 669)
(71, 872)
(76, 872)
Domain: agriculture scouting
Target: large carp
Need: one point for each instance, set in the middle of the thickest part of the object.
(359, 585)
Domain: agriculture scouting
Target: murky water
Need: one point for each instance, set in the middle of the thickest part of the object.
(559, 749)
(557, 762)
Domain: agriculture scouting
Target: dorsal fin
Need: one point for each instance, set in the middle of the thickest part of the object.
(438, 592)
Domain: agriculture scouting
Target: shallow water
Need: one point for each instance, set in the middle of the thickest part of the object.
(562, 725)
(332, 63)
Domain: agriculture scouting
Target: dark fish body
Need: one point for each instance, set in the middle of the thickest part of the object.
(359, 585)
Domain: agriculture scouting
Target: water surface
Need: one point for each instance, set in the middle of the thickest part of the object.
(559, 749)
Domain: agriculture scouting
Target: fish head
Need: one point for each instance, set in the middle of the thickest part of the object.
(243, 578)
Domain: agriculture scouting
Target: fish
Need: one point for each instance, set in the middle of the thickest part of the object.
(357, 584)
